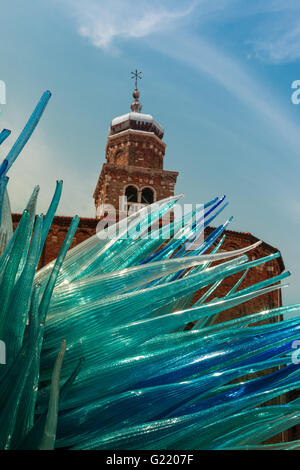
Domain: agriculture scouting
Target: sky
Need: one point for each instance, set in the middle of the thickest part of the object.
(217, 74)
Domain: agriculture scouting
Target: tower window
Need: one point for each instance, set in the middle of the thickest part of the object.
(147, 196)
(131, 194)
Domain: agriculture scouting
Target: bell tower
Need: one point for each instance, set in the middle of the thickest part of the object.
(133, 174)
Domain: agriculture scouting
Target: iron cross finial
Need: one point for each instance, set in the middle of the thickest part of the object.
(136, 75)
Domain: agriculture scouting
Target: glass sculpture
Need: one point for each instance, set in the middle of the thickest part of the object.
(97, 355)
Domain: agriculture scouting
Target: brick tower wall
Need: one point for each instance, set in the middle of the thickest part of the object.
(133, 158)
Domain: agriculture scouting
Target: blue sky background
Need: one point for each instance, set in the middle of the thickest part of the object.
(217, 75)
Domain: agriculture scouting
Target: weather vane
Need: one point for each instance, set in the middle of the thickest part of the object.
(136, 75)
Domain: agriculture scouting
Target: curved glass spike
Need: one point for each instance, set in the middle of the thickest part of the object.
(261, 284)
(208, 320)
(49, 435)
(214, 250)
(213, 237)
(48, 219)
(174, 244)
(6, 226)
(265, 419)
(186, 231)
(211, 334)
(253, 318)
(31, 208)
(167, 234)
(89, 289)
(180, 433)
(26, 411)
(12, 385)
(206, 244)
(220, 200)
(216, 357)
(11, 268)
(198, 223)
(207, 204)
(96, 253)
(136, 301)
(3, 185)
(19, 301)
(208, 221)
(110, 345)
(212, 382)
(177, 229)
(44, 305)
(4, 134)
(293, 445)
(200, 226)
(189, 299)
(190, 239)
(242, 394)
(3, 168)
(120, 374)
(25, 134)
(104, 415)
(238, 283)
(188, 272)
(155, 294)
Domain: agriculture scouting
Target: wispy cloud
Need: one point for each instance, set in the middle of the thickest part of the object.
(281, 47)
(274, 32)
(274, 35)
(236, 78)
(104, 22)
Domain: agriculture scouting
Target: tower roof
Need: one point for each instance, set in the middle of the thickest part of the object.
(136, 120)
